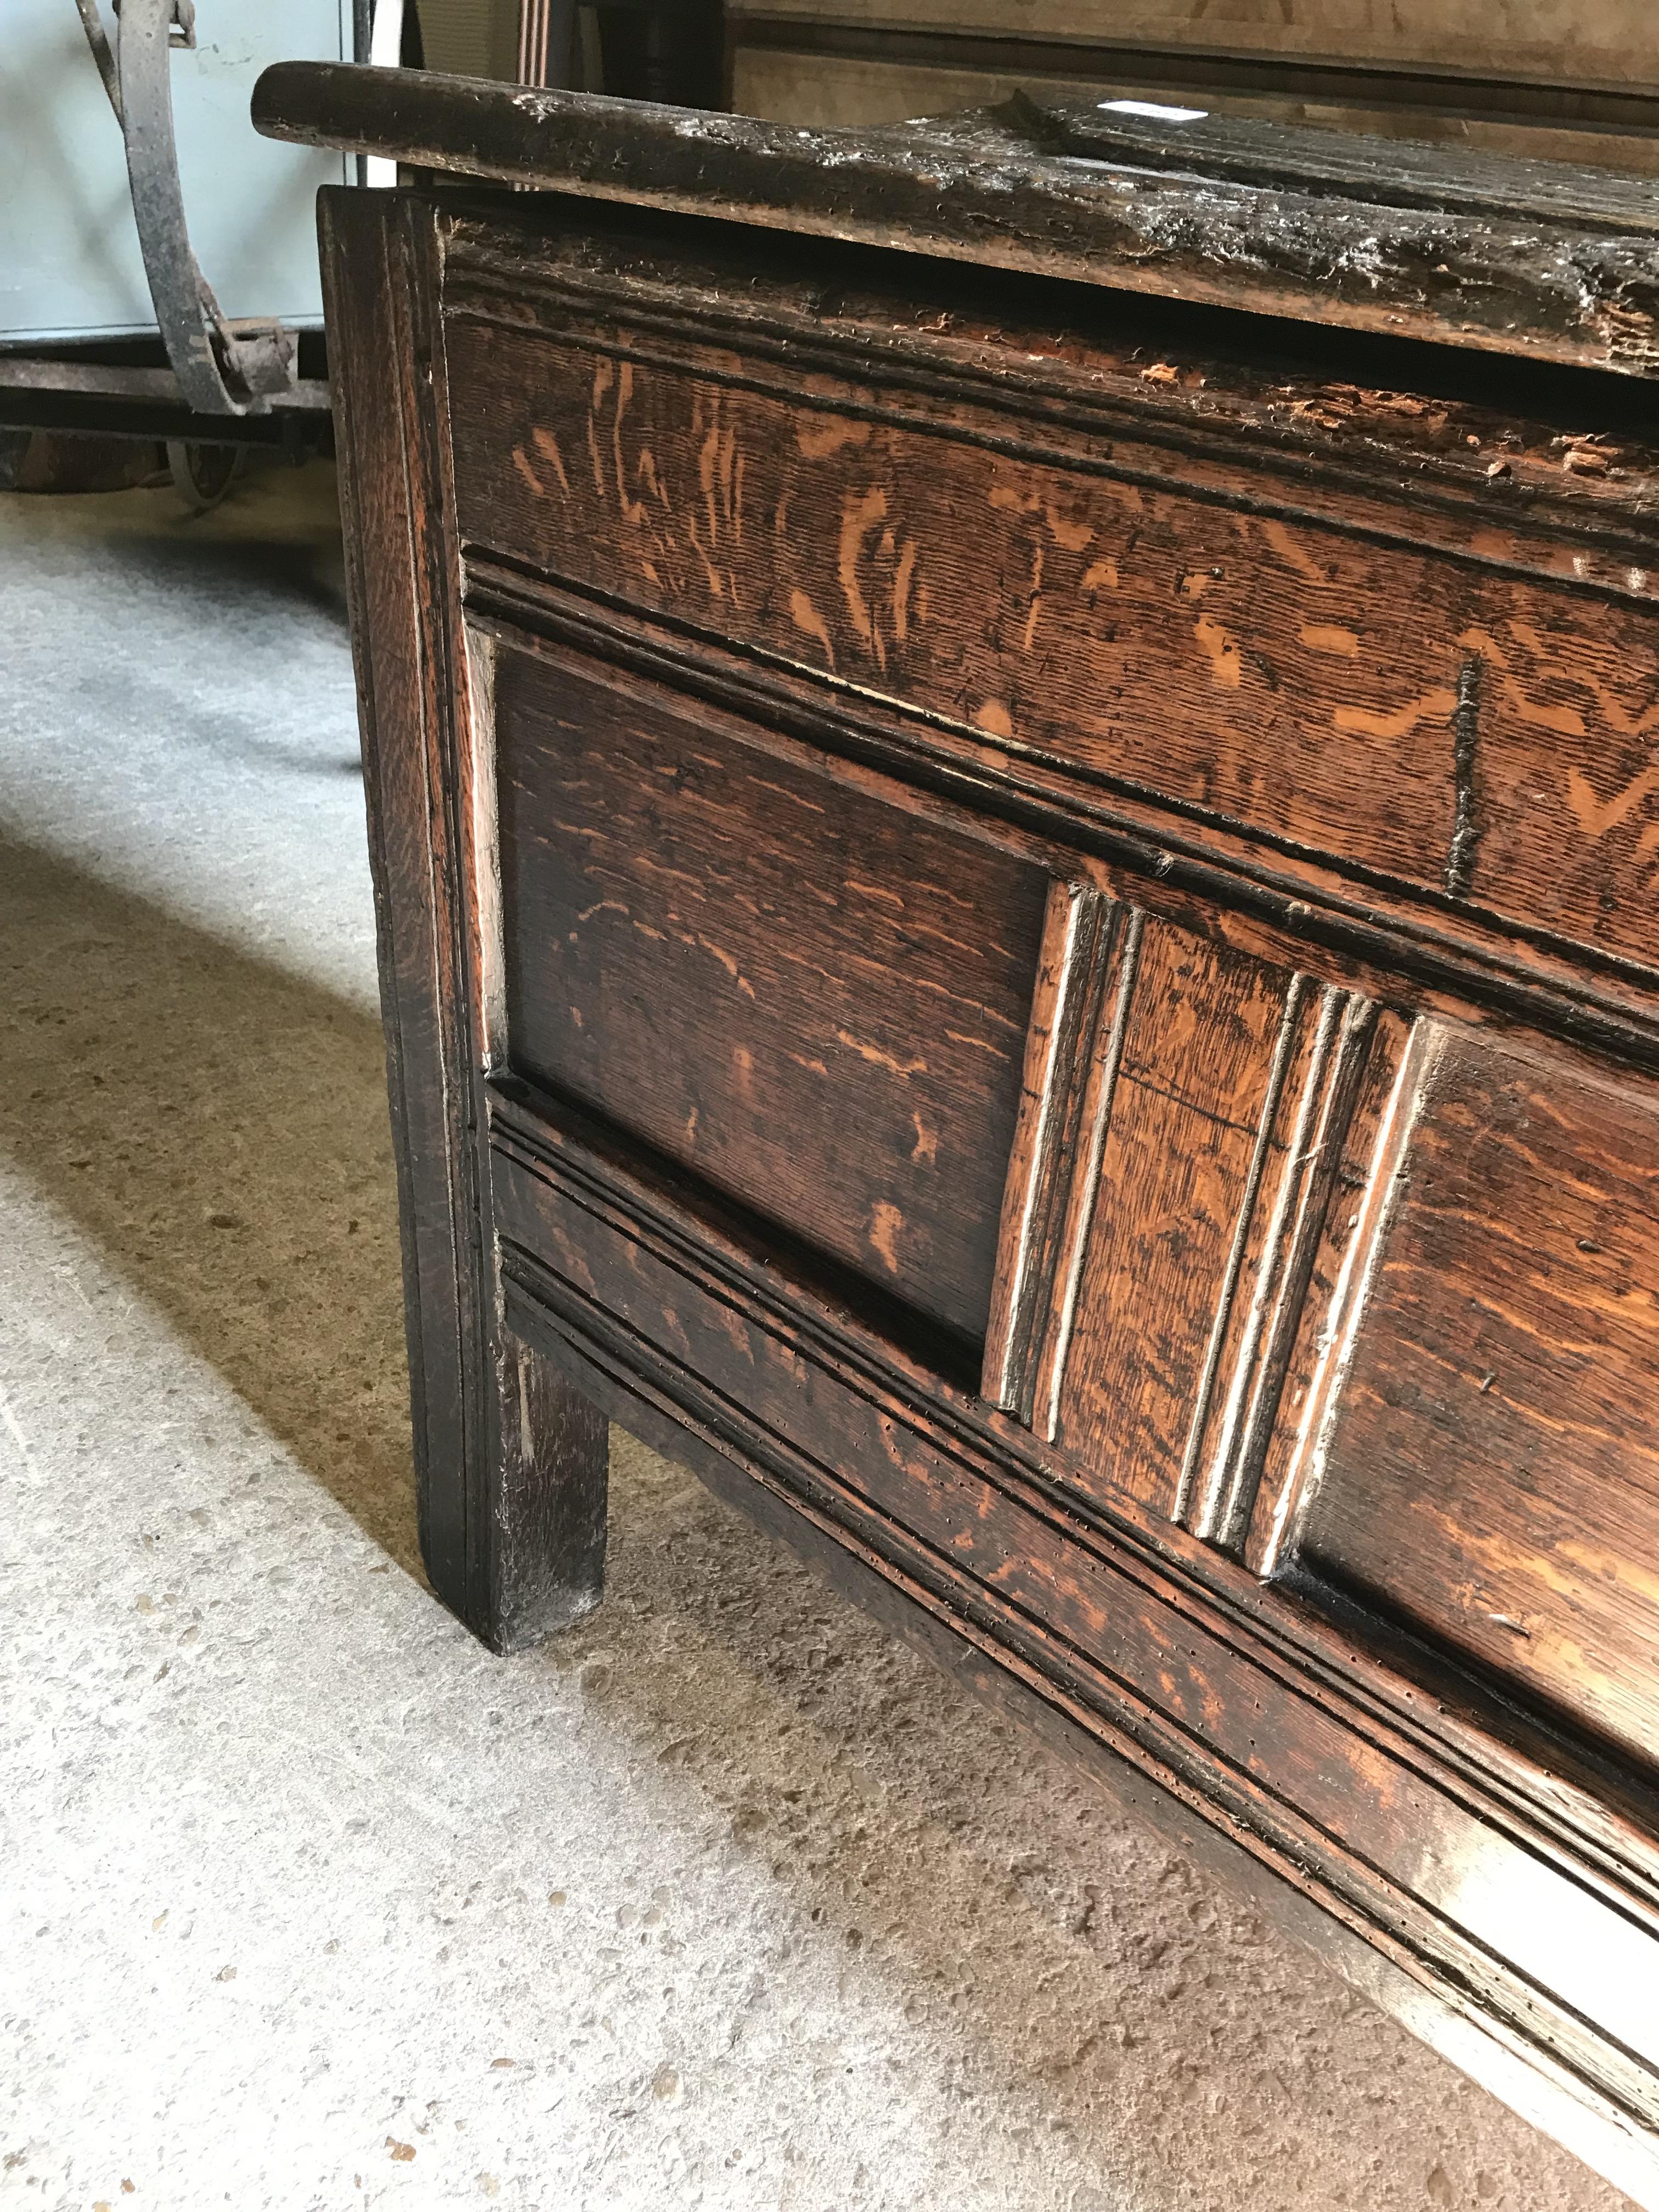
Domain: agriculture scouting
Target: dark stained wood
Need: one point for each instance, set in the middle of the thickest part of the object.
(1020, 920)
(1086, 941)
(749, 969)
(1529, 2076)
(1387, 711)
(1281, 1232)
(660, 1306)
(543, 1541)
(1448, 964)
(1191, 1053)
(1575, 1817)
(1490, 1466)
(1383, 174)
(1546, 472)
(511, 1463)
(1360, 1177)
(1569, 277)
(1199, 1203)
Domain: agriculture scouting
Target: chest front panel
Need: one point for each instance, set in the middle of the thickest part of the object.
(1080, 1009)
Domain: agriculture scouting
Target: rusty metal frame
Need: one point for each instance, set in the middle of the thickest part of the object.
(222, 367)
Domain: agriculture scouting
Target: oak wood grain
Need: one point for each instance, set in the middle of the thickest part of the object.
(1301, 1141)
(1466, 736)
(927, 834)
(1581, 1811)
(1228, 886)
(781, 1399)
(1550, 473)
(1362, 1171)
(1490, 1468)
(1540, 2087)
(815, 1003)
(1088, 945)
(1193, 1085)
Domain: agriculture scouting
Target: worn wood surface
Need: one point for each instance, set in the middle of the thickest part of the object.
(742, 965)
(1377, 173)
(1066, 1162)
(1258, 1509)
(510, 1463)
(1193, 1076)
(653, 1294)
(1483, 740)
(1089, 945)
(1491, 1468)
(1402, 439)
(1483, 251)
(1543, 2088)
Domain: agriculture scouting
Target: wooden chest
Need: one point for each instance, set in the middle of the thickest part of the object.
(1016, 829)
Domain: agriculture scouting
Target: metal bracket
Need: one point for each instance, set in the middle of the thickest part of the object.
(222, 368)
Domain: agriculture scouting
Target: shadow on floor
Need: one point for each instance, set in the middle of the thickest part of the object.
(276, 539)
(215, 564)
(221, 1130)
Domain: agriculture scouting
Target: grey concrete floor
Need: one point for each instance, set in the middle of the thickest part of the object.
(723, 1900)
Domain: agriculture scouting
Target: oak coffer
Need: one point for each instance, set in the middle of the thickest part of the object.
(1014, 778)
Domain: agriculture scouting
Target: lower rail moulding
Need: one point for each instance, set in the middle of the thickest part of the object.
(776, 1396)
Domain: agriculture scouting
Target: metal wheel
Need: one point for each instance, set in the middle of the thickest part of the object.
(202, 475)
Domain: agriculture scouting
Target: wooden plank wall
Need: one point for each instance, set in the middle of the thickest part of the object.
(471, 38)
(815, 61)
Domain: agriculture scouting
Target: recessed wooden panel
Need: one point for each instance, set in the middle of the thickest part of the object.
(1176, 1155)
(1180, 1137)
(1464, 731)
(1491, 1468)
(817, 1002)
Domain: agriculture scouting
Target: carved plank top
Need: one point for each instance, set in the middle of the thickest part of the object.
(1541, 260)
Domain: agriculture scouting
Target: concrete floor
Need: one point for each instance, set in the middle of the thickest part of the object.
(723, 1900)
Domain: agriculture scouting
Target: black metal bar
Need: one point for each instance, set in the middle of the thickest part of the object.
(112, 380)
(158, 205)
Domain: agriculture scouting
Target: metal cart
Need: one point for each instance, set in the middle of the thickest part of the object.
(125, 151)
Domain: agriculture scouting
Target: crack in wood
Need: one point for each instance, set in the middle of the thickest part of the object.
(1466, 826)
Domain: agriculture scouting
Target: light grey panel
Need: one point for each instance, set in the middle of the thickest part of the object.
(70, 264)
